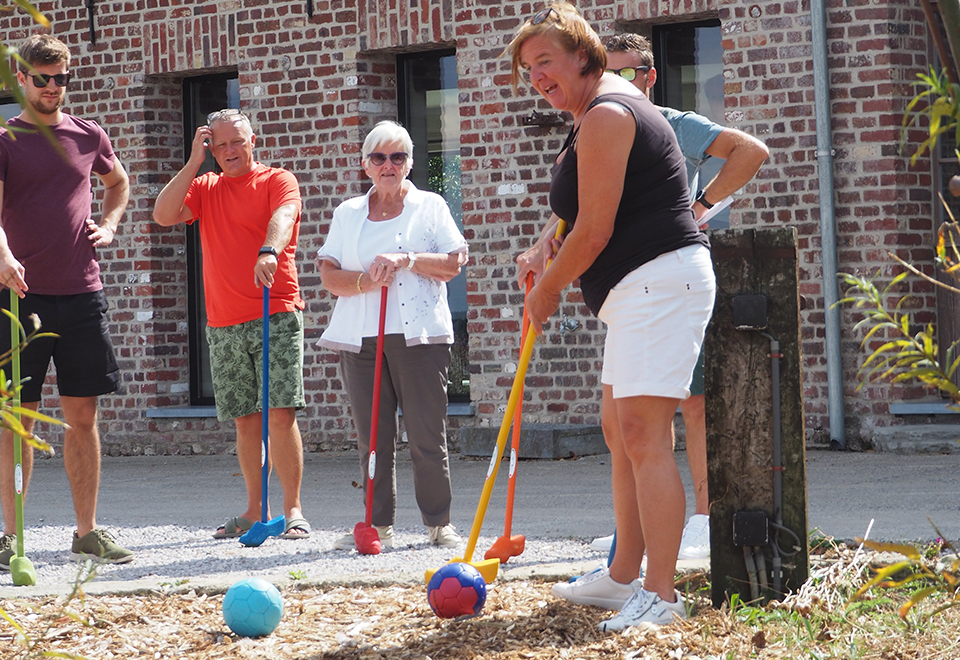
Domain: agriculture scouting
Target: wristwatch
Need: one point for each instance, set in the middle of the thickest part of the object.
(411, 259)
(702, 198)
(268, 249)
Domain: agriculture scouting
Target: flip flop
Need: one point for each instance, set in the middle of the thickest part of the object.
(296, 523)
(233, 528)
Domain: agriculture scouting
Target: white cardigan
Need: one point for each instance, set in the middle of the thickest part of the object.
(425, 226)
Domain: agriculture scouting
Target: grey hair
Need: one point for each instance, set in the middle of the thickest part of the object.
(384, 133)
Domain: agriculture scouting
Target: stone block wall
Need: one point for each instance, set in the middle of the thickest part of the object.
(314, 86)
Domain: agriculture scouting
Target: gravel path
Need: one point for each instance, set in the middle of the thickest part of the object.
(173, 558)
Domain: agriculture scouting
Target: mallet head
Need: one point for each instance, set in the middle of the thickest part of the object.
(22, 572)
(367, 539)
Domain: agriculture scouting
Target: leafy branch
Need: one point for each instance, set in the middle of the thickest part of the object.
(939, 100)
(11, 416)
(925, 574)
(906, 355)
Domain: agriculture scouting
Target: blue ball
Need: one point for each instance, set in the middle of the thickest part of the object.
(456, 590)
(252, 607)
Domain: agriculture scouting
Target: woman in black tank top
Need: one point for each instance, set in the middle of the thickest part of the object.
(620, 183)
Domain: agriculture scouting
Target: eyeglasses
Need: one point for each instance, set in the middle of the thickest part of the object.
(543, 15)
(223, 114)
(41, 80)
(629, 73)
(398, 158)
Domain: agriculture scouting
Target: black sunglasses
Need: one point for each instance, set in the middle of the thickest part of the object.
(398, 158)
(223, 114)
(542, 15)
(41, 80)
(629, 73)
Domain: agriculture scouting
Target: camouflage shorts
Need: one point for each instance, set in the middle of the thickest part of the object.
(236, 363)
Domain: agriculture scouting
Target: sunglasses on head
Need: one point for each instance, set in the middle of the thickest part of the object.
(542, 15)
(223, 114)
(41, 80)
(398, 158)
(629, 73)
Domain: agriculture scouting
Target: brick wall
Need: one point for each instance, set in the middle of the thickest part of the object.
(313, 87)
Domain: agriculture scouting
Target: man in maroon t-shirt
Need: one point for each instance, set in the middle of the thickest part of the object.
(48, 257)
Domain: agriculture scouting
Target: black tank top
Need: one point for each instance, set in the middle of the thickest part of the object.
(654, 216)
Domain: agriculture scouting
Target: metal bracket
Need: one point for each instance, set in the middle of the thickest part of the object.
(91, 19)
(568, 324)
(542, 119)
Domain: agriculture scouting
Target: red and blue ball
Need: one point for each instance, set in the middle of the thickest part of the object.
(456, 590)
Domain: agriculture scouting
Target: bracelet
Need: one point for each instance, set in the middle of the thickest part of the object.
(359, 277)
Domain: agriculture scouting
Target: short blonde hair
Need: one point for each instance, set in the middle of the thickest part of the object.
(563, 23)
(386, 132)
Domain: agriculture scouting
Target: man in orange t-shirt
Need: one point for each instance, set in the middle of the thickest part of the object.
(249, 221)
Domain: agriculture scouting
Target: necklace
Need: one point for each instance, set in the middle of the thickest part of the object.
(391, 210)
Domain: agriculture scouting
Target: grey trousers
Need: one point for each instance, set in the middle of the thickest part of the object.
(415, 379)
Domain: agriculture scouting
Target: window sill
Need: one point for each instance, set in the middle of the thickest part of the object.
(186, 411)
(453, 410)
(932, 408)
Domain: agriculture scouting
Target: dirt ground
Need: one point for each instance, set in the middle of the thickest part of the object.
(520, 620)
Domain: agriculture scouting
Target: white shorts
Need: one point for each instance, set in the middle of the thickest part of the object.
(656, 317)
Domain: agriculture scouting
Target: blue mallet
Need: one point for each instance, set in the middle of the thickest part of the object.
(264, 528)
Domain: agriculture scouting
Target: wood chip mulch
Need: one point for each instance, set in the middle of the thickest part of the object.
(520, 620)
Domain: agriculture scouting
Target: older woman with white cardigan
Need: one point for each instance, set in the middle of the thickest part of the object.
(405, 239)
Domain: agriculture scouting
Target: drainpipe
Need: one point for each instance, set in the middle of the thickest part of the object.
(828, 236)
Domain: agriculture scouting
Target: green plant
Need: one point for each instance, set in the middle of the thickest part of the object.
(939, 101)
(8, 78)
(176, 583)
(910, 354)
(907, 355)
(297, 574)
(925, 574)
(11, 415)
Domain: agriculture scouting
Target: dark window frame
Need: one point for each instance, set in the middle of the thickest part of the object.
(660, 54)
(201, 385)
(458, 392)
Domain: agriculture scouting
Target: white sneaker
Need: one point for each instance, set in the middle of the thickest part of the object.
(602, 544)
(646, 607)
(695, 543)
(347, 542)
(596, 588)
(445, 536)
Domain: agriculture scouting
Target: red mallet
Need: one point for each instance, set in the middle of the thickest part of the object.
(365, 535)
(512, 545)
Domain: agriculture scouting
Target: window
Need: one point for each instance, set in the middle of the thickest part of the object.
(201, 96)
(948, 302)
(431, 114)
(689, 60)
(9, 108)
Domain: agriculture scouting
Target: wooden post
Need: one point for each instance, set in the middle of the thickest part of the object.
(739, 407)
